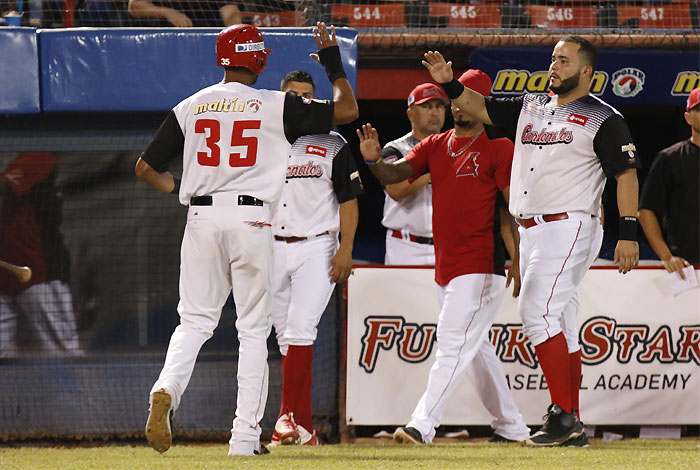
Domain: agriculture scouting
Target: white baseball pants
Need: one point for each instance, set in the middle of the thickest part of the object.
(402, 251)
(554, 257)
(221, 249)
(48, 308)
(469, 304)
(301, 288)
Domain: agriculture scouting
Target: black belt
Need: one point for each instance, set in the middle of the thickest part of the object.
(243, 200)
(413, 238)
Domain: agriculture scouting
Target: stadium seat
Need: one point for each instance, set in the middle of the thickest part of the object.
(672, 16)
(387, 15)
(468, 16)
(270, 18)
(562, 17)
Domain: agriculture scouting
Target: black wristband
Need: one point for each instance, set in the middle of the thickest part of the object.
(628, 228)
(176, 189)
(331, 61)
(453, 89)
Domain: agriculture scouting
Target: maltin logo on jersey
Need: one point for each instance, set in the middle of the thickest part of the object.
(628, 82)
(253, 105)
(511, 81)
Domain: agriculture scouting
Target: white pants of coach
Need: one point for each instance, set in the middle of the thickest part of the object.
(404, 252)
(301, 288)
(554, 257)
(221, 249)
(468, 307)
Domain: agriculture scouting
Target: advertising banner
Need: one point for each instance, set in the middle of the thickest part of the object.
(623, 76)
(640, 347)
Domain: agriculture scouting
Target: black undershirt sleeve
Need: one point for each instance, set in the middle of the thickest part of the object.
(653, 195)
(347, 184)
(306, 117)
(391, 152)
(614, 146)
(504, 113)
(166, 146)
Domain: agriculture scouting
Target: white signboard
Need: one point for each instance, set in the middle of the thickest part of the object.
(640, 345)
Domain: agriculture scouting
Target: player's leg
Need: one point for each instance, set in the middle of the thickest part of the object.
(9, 312)
(487, 376)
(63, 318)
(557, 254)
(204, 287)
(38, 304)
(311, 290)
(250, 249)
(469, 306)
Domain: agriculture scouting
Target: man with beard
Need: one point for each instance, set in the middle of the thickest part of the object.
(565, 147)
(468, 172)
(408, 206)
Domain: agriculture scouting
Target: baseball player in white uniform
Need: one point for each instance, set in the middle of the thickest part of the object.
(565, 147)
(408, 205)
(318, 202)
(234, 141)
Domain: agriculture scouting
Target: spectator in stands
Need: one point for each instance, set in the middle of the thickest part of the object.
(30, 217)
(186, 14)
(671, 195)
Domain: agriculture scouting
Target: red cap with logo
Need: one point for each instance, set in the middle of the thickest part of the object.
(477, 81)
(426, 92)
(693, 99)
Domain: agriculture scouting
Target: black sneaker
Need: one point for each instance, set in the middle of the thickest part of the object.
(263, 450)
(581, 441)
(558, 428)
(497, 438)
(408, 435)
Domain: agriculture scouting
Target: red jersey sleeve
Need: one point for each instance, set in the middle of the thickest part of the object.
(418, 157)
(503, 162)
(25, 171)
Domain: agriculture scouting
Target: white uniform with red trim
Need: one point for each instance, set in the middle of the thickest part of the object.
(234, 141)
(409, 222)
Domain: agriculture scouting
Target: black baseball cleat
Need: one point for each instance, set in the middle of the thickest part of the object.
(408, 435)
(581, 441)
(497, 438)
(263, 450)
(558, 428)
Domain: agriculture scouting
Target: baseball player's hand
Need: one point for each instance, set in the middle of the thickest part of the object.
(323, 39)
(341, 266)
(626, 255)
(177, 19)
(369, 143)
(438, 68)
(675, 264)
(514, 277)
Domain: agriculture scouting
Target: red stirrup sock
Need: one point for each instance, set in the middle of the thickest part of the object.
(575, 366)
(554, 361)
(283, 406)
(296, 387)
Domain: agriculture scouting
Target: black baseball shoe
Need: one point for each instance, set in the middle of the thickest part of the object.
(263, 450)
(581, 441)
(408, 435)
(497, 438)
(558, 428)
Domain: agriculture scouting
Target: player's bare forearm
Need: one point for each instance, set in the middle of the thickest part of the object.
(345, 108)
(386, 173)
(341, 263)
(162, 182)
(627, 251)
(469, 101)
(652, 231)
(398, 191)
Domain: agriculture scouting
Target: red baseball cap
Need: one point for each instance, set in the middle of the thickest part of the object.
(477, 81)
(425, 92)
(693, 99)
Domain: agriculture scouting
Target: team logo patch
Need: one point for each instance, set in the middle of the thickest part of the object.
(306, 100)
(390, 159)
(304, 171)
(253, 105)
(546, 136)
(577, 119)
(469, 166)
(316, 150)
(250, 47)
(630, 149)
(628, 82)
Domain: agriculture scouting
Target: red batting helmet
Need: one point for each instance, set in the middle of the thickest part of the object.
(241, 45)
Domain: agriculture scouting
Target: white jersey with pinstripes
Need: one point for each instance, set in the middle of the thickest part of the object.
(234, 142)
(413, 213)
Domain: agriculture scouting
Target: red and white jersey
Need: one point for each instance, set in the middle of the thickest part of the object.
(562, 153)
(465, 194)
(321, 174)
(415, 212)
(235, 138)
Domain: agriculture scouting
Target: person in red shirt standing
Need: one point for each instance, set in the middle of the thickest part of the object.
(30, 217)
(468, 171)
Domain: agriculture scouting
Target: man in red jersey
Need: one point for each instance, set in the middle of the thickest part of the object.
(468, 171)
